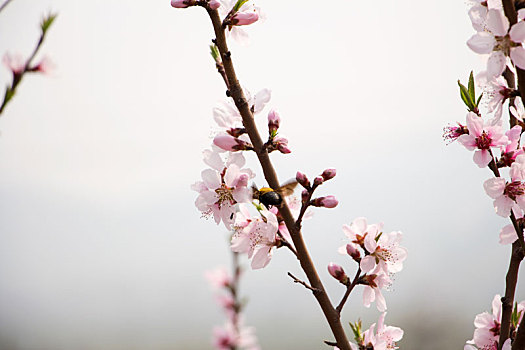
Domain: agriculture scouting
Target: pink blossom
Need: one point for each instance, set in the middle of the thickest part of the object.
(506, 194)
(248, 13)
(182, 3)
(223, 186)
(45, 66)
(228, 337)
(452, 132)
(326, 201)
(16, 63)
(497, 92)
(518, 110)
(481, 137)
(487, 332)
(376, 281)
(218, 277)
(230, 143)
(509, 195)
(227, 116)
(328, 174)
(384, 252)
(281, 144)
(508, 235)
(494, 41)
(245, 18)
(255, 236)
(274, 120)
(384, 339)
(511, 150)
(357, 232)
(337, 272)
(214, 4)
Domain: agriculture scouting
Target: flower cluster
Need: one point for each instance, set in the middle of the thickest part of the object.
(487, 332)
(234, 14)
(384, 338)
(494, 146)
(233, 335)
(381, 257)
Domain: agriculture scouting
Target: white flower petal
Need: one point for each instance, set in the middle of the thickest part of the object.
(517, 55)
(481, 43)
(497, 22)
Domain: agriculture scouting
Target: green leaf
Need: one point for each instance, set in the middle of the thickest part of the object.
(479, 99)
(465, 96)
(47, 21)
(471, 87)
(239, 4)
(214, 51)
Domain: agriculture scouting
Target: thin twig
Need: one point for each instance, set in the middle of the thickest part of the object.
(5, 4)
(349, 289)
(17, 77)
(306, 285)
(236, 92)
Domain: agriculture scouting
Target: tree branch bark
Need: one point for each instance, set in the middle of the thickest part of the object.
(235, 91)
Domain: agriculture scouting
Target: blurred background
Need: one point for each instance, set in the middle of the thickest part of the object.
(101, 246)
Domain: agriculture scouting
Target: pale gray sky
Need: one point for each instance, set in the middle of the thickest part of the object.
(101, 246)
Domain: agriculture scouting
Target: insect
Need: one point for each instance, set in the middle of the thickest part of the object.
(270, 197)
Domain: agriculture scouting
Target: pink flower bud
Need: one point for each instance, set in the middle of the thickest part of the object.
(245, 18)
(281, 143)
(327, 202)
(304, 195)
(328, 174)
(274, 120)
(284, 149)
(16, 63)
(353, 252)
(338, 273)
(180, 4)
(236, 132)
(44, 66)
(214, 4)
(302, 179)
(318, 181)
(230, 143)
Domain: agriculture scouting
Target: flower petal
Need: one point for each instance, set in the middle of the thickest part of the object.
(497, 22)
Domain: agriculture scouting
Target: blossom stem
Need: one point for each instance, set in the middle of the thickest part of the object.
(349, 289)
(235, 91)
(510, 288)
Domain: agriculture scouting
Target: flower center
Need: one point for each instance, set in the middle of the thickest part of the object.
(503, 43)
(514, 189)
(224, 196)
(483, 141)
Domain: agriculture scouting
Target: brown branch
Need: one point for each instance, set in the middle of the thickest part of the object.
(349, 289)
(519, 341)
(510, 288)
(270, 175)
